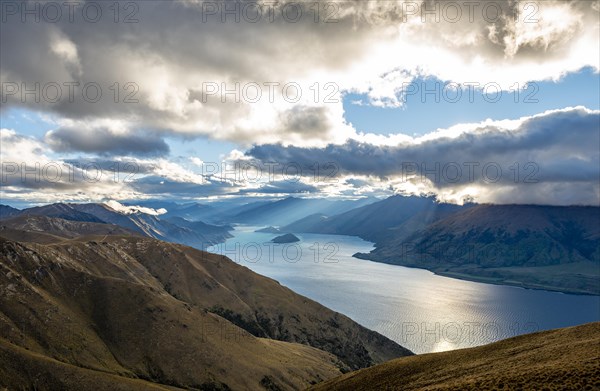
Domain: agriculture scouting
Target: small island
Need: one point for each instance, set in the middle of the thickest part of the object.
(269, 230)
(287, 238)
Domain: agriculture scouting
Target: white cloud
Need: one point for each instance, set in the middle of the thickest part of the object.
(66, 50)
(117, 206)
(370, 49)
(156, 77)
(549, 158)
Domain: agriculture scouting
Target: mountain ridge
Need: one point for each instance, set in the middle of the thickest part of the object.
(553, 248)
(566, 358)
(141, 308)
(192, 233)
(532, 246)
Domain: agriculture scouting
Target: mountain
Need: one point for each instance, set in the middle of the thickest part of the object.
(62, 211)
(288, 210)
(373, 222)
(179, 230)
(311, 223)
(8, 212)
(265, 212)
(217, 212)
(228, 212)
(562, 359)
(20, 227)
(534, 246)
(132, 312)
(550, 247)
(192, 211)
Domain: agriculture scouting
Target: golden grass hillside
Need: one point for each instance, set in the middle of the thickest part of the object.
(101, 309)
(562, 359)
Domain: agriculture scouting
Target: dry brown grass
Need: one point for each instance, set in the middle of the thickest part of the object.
(563, 359)
(108, 309)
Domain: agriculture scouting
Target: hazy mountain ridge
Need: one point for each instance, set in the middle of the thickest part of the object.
(58, 227)
(141, 308)
(269, 230)
(288, 210)
(548, 247)
(276, 212)
(8, 211)
(373, 221)
(179, 230)
(537, 246)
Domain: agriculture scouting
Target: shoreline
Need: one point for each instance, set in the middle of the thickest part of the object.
(485, 280)
(518, 284)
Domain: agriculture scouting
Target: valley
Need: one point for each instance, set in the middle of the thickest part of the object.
(405, 303)
(256, 195)
(543, 247)
(136, 308)
(89, 265)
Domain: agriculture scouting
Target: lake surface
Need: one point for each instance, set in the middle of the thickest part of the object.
(416, 308)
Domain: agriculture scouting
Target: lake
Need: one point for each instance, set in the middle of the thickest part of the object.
(419, 310)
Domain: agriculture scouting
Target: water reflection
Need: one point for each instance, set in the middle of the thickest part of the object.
(414, 307)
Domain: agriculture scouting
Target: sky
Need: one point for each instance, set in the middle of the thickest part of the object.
(485, 101)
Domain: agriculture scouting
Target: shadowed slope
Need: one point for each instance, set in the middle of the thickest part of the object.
(137, 307)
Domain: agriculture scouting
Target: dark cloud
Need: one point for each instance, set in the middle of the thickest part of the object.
(103, 141)
(171, 50)
(123, 165)
(158, 185)
(306, 121)
(161, 55)
(557, 149)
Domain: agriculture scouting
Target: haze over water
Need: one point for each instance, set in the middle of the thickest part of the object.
(416, 308)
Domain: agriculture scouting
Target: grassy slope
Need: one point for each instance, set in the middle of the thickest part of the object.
(90, 309)
(562, 359)
(554, 248)
(24, 369)
(136, 307)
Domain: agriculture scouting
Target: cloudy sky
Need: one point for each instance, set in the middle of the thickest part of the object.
(486, 101)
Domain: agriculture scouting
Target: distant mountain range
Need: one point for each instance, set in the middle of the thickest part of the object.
(87, 305)
(7, 211)
(376, 220)
(269, 230)
(92, 297)
(290, 209)
(536, 246)
(548, 247)
(272, 212)
(175, 229)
